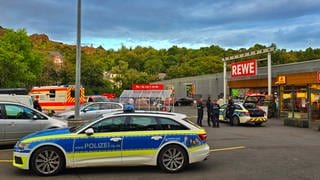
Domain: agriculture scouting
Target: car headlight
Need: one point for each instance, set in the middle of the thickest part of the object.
(22, 145)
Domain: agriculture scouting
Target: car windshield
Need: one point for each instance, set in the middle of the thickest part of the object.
(101, 99)
(81, 106)
(77, 128)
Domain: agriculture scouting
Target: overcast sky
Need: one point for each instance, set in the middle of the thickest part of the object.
(290, 24)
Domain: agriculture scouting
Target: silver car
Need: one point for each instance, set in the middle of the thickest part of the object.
(89, 111)
(18, 120)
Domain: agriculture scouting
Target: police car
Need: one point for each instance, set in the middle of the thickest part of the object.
(244, 114)
(164, 139)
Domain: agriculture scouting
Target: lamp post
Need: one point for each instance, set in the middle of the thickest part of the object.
(78, 63)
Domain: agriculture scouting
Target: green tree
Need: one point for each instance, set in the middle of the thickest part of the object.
(92, 70)
(126, 76)
(20, 65)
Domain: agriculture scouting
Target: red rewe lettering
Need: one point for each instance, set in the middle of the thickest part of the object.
(245, 68)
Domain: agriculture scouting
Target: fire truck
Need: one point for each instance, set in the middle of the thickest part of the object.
(56, 98)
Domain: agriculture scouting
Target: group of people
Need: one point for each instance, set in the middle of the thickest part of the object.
(213, 111)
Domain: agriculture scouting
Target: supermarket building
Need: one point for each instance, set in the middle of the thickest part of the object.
(295, 87)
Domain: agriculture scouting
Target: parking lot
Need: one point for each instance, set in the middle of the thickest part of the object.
(272, 151)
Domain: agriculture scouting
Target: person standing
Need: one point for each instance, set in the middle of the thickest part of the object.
(36, 104)
(200, 107)
(215, 113)
(230, 110)
(208, 104)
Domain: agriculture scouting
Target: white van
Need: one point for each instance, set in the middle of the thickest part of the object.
(22, 99)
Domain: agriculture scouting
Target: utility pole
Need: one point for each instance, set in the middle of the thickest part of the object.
(78, 63)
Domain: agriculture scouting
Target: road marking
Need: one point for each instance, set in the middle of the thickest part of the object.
(5, 161)
(227, 149)
(5, 150)
(212, 150)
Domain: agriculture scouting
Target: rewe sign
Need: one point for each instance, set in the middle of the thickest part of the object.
(244, 68)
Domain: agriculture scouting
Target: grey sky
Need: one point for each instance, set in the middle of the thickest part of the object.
(291, 24)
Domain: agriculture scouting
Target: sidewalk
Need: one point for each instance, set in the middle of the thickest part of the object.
(191, 112)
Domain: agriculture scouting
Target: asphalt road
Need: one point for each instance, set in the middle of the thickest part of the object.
(272, 151)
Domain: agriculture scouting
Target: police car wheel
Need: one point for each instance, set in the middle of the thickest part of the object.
(47, 161)
(172, 158)
(235, 120)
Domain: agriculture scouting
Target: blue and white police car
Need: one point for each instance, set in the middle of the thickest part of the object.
(164, 139)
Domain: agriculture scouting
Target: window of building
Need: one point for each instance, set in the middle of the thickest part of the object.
(294, 102)
(315, 102)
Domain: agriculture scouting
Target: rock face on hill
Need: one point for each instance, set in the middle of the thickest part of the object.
(2, 30)
(39, 37)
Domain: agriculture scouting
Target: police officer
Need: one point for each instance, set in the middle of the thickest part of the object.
(230, 110)
(208, 104)
(215, 113)
(200, 107)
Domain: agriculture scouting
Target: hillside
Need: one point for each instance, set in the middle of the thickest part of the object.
(139, 64)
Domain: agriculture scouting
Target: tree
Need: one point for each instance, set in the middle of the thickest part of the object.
(126, 76)
(20, 65)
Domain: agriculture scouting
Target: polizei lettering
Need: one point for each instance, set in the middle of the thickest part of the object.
(96, 145)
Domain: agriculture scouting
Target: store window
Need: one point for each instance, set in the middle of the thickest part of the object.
(287, 100)
(294, 102)
(300, 102)
(315, 102)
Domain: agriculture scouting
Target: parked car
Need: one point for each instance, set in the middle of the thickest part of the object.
(163, 139)
(244, 114)
(18, 120)
(23, 99)
(91, 110)
(96, 98)
(184, 102)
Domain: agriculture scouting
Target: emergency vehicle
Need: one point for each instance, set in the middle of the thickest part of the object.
(167, 140)
(56, 98)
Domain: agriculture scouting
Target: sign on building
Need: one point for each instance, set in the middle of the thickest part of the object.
(244, 68)
(147, 86)
(281, 79)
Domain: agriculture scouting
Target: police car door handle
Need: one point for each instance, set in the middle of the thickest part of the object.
(116, 139)
(156, 137)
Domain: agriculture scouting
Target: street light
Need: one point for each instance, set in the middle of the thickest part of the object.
(78, 63)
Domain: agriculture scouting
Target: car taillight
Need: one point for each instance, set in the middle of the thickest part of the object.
(203, 137)
(246, 113)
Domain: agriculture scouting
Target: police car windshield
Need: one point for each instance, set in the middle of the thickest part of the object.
(77, 128)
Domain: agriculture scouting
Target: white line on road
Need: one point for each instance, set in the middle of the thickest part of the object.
(227, 149)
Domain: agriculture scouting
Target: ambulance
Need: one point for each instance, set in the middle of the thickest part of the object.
(56, 98)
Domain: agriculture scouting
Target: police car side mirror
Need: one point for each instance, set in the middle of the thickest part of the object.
(89, 132)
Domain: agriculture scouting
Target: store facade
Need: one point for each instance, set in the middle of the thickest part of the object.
(300, 99)
(295, 89)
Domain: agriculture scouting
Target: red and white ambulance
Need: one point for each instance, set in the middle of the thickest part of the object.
(56, 98)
